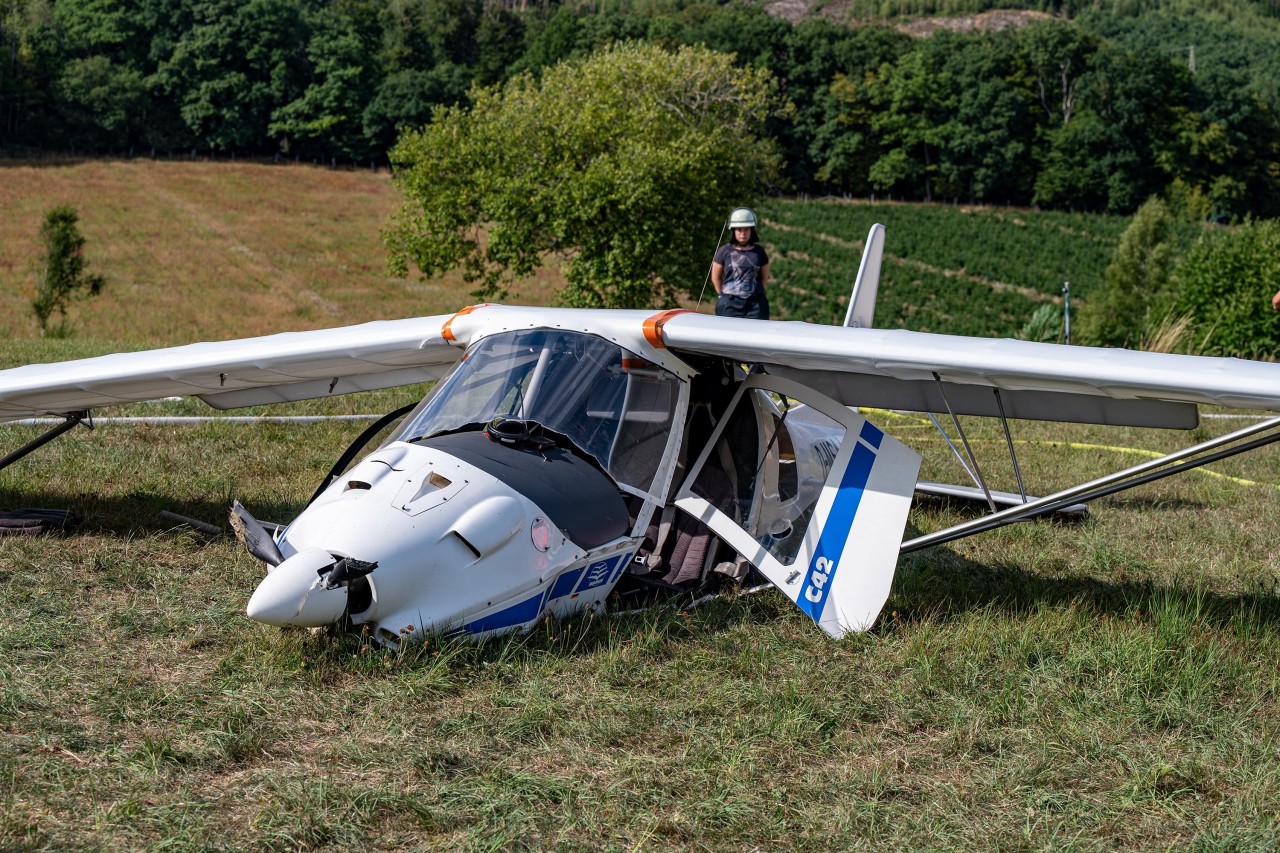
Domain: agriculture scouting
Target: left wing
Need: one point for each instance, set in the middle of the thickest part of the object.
(228, 374)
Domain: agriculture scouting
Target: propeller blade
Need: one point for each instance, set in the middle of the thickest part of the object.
(254, 536)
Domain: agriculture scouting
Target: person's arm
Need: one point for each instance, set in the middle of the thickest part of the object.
(717, 273)
(764, 277)
(1275, 301)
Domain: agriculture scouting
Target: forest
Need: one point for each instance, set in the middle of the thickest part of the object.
(1089, 107)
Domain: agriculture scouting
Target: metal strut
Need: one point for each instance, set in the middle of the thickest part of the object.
(1127, 479)
(1008, 440)
(954, 450)
(965, 439)
(73, 419)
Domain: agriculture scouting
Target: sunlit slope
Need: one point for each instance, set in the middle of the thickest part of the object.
(196, 251)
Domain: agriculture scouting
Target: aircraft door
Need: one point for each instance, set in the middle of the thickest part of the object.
(811, 494)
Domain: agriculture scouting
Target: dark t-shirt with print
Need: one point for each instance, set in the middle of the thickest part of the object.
(741, 269)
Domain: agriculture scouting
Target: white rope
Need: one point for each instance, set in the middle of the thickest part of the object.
(232, 419)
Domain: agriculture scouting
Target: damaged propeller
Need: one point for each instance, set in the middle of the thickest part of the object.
(255, 537)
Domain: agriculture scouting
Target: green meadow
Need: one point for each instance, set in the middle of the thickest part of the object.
(1097, 685)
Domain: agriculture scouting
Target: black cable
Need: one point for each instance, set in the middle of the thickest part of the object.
(356, 446)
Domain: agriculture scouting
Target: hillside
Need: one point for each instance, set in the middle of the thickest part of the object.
(966, 270)
(1224, 35)
(205, 251)
(1072, 105)
(201, 251)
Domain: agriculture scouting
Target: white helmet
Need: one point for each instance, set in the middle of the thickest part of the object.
(742, 218)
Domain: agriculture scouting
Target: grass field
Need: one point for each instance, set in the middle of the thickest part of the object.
(1096, 686)
(200, 251)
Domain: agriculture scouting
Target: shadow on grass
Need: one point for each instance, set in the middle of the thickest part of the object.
(938, 583)
(933, 584)
(128, 514)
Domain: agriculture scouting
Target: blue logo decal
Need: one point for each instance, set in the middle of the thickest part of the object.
(597, 574)
(826, 557)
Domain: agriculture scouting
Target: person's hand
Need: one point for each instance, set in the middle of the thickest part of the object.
(1275, 301)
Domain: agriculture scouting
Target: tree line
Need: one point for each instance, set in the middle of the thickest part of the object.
(1048, 114)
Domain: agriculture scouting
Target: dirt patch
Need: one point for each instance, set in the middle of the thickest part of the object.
(837, 11)
(986, 22)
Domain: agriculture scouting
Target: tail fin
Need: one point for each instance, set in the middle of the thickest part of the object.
(862, 303)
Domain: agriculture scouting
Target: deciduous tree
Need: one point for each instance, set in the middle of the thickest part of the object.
(623, 165)
(1117, 314)
(1226, 282)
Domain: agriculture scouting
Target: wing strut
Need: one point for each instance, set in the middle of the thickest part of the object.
(977, 472)
(73, 419)
(1008, 440)
(1223, 447)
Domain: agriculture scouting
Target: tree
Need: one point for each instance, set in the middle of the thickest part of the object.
(65, 276)
(101, 102)
(1224, 153)
(623, 165)
(328, 117)
(831, 141)
(916, 100)
(1108, 156)
(234, 67)
(1119, 312)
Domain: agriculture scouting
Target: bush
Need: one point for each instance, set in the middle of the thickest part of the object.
(1045, 325)
(1226, 282)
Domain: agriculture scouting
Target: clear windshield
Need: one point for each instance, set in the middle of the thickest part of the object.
(613, 405)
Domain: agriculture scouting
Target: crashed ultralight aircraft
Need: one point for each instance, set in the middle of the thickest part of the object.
(566, 454)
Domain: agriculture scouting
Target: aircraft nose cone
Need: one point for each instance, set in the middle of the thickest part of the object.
(292, 593)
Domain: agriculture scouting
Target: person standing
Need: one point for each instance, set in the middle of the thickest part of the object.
(740, 270)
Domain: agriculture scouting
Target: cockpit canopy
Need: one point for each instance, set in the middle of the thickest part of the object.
(613, 405)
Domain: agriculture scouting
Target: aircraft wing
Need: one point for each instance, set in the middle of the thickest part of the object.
(912, 371)
(898, 369)
(246, 372)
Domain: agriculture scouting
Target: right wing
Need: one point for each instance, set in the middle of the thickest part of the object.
(246, 372)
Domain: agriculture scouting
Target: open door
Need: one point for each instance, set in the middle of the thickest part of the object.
(809, 492)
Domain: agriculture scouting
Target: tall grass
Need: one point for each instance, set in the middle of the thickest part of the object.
(200, 251)
(1097, 686)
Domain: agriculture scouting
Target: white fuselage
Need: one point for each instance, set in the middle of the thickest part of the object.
(455, 548)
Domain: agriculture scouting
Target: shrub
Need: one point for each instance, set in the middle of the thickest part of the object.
(1119, 311)
(64, 276)
(1226, 282)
